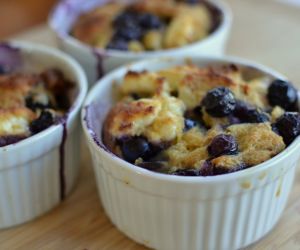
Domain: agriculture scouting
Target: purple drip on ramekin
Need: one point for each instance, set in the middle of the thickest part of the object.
(100, 56)
(62, 175)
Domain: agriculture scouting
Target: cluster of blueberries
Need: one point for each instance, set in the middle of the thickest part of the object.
(220, 102)
(131, 25)
(45, 119)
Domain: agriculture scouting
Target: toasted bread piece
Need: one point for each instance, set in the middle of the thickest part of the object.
(95, 27)
(159, 119)
(15, 121)
(14, 88)
(143, 83)
(257, 142)
(191, 24)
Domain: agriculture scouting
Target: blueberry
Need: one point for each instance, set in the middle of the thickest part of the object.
(275, 129)
(194, 117)
(192, 1)
(283, 94)
(233, 120)
(288, 126)
(222, 145)
(136, 147)
(124, 18)
(118, 44)
(207, 169)
(129, 31)
(189, 124)
(241, 109)
(44, 121)
(255, 116)
(249, 114)
(127, 27)
(196, 114)
(187, 172)
(219, 102)
(150, 21)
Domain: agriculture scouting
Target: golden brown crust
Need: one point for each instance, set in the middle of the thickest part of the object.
(128, 119)
(188, 25)
(91, 27)
(257, 142)
(158, 119)
(227, 163)
(191, 150)
(13, 89)
(143, 83)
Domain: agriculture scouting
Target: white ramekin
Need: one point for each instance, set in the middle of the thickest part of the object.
(172, 212)
(37, 173)
(96, 61)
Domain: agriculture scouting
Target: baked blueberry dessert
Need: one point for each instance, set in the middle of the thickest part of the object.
(193, 121)
(147, 25)
(31, 102)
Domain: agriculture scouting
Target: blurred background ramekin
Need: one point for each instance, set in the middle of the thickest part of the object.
(161, 211)
(38, 172)
(96, 62)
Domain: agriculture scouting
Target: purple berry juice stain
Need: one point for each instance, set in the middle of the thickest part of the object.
(62, 177)
(100, 57)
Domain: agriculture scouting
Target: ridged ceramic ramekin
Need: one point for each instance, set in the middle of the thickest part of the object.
(173, 212)
(96, 61)
(37, 173)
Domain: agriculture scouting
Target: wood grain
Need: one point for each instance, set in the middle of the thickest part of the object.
(17, 15)
(264, 31)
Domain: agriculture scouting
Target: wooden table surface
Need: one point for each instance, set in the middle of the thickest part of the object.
(25, 13)
(263, 30)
